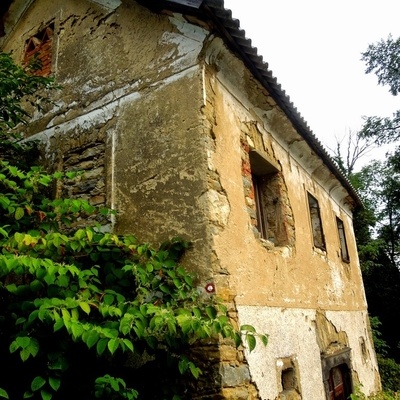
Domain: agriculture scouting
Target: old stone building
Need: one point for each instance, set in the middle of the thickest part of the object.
(180, 126)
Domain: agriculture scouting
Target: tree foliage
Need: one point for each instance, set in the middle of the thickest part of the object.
(383, 59)
(377, 225)
(86, 313)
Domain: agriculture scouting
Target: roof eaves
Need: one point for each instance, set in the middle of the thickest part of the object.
(229, 29)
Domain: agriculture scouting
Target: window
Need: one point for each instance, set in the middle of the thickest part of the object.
(289, 387)
(316, 223)
(38, 51)
(288, 379)
(266, 197)
(274, 220)
(342, 239)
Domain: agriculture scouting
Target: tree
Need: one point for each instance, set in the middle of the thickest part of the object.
(377, 225)
(86, 313)
(356, 147)
(383, 59)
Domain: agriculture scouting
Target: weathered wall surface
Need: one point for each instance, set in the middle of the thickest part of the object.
(296, 274)
(163, 120)
(278, 286)
(133, 90)
(294, 335)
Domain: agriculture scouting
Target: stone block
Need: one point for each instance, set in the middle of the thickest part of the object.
(232, 375)
(240, 393)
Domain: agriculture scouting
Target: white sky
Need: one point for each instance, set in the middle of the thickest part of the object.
(313, 48)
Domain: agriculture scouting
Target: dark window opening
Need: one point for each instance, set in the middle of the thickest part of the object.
(316, 223)
(342, 239)
(273, 213)
(38, 51)
(288, 379)
(339, 383)
(262, 223)
(267, 199)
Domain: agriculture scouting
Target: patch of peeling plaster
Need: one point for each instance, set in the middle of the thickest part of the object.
(337, 281)
(218, 205)
(188, 43)
(100, 111)
(191, 31)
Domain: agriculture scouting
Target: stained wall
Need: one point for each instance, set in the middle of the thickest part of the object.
(283, 288)
(163, 119)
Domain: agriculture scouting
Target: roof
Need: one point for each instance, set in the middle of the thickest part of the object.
(235, 38)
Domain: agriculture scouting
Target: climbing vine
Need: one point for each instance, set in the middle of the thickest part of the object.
(85, 312)
(60, 286)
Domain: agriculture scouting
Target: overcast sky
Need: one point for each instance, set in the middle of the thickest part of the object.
(313, 48)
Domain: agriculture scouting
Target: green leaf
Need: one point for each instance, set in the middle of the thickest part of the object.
(264, 339)
(92, 338)
(37, 383)
(108, 299)
(36, 285)
(113, 345)
(33, 347)
(65, 314)
(24, 354)
(55, 383)
(128, 344)
(5, 234)
(19, 213)
(3, 394)
(12, 288)
(249, 328)
(58, 325)
(101, 346)
(149, 267)
(251, 342)
(114, 384)
(32, 316)
(183, 365)
(237, 339)
(197, 312)
(177, 282)
(14, 346)
(85, 307)
(23, 341)
(194, 370)
(46, 395)
(89, 235)
(211, 312)
(76, 329)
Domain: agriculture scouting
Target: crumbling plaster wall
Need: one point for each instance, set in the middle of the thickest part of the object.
(131, 83)
(279, 289)
(298, 334)
(101, 56)
(296, 275)
(172, 133)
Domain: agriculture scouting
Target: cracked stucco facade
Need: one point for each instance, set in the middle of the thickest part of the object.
(162, 118)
